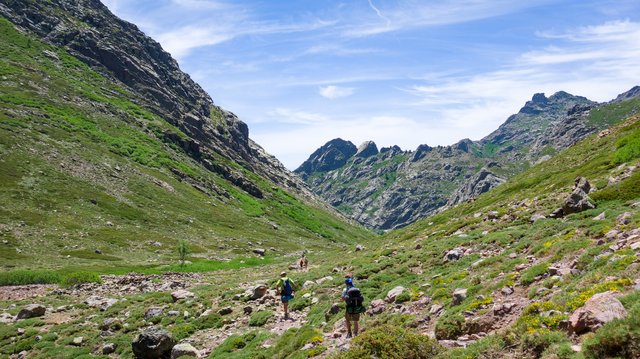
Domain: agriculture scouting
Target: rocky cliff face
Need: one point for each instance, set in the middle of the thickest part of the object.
(119, 50)
(392, 188)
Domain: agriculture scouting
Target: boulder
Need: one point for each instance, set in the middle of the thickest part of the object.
(184, 349)
(259, 251)
(153, 343)
(108, 348)
(259, 291)
(181, 294)
(153, 312)
(31, 311)
(100, 302)
(454, 254)
(624, 218)
(225, 311)
(308, 284)
(506, 291)
(578, 200)
(111, 324)
(599, 217)
(536, 217)
(377, 306)
(598, 310)
(77, 341)
(359, 247)
(459, 295)
(393, 294)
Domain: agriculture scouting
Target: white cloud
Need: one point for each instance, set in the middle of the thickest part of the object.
(333, 92)
(411, 14)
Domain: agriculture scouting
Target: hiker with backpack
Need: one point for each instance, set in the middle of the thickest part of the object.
(354, 302)
(284, 288)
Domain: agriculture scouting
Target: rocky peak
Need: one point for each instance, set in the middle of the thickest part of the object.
(367, 149)
(334, 154)
(463, 145)
(420, 152)
(539, 98)
(633, 92)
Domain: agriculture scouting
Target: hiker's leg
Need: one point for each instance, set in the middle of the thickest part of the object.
(348, 323)
(355, 327)
(286, 308)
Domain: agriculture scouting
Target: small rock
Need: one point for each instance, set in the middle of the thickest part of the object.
(99, 302)
(153, 312)
(308, 284)
(624, 218)
(184, 349)
(435, 309)
(553, 270)
(108, 348)
(454, 254)
(459, 295)
(259, 251)
(359, 248)
(225, 311)
(506, 291)
(112, 324)
(259, 291)
(536, 217)
(97, 251)
(181, 294)
(394, 293)
(31, 311)
(21, 331)
(77, 341)
(247, 310)
(173, 313)
(599, 217)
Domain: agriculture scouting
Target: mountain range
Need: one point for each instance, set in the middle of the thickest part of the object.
(389, 188)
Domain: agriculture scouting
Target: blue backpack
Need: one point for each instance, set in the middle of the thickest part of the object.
(287, 290)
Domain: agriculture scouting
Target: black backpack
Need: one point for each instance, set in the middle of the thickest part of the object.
(354, 300)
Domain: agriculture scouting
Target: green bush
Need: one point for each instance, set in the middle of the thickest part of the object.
(260, 318)
(298, 304)
(539, 341)
(23, 277)
(530, 274)
(388, 341)
(213, 320)
(403, 297)
(449, 326)
(80, 278)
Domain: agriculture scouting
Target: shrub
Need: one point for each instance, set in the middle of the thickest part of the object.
(213, 320)
(530, 274)
(22, 277)
(298, 304)
(536, 342)
(403, 297)
(260, 318)
(449, 327)
(79, 278)
(389, 341)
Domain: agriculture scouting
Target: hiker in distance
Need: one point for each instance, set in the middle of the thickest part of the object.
(303, 262)
(284, 288)
(354, 303)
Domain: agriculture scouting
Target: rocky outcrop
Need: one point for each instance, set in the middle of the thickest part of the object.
(31, 311)
(480, 183)
(578, 200)
(367, 149)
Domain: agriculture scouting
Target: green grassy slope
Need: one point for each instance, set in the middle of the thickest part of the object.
(85, 167)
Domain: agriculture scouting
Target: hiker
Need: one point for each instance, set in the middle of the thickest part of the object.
(284, 288)
(354, 305)
(304, 262)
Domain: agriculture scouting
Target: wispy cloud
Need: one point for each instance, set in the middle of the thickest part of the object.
(411, 14)
(333, 92)
(596, 61)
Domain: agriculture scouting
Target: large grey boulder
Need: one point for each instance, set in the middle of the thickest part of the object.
(31, 311)
(181, 294)
(459, 295)
(578, 200)
(597, 311)
(258, 292)
(153, 343)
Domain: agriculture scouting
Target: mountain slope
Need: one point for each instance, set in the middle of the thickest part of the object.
(392, 188)
(96, 171)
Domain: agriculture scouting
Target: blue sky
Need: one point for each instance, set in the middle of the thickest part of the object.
(403, 72)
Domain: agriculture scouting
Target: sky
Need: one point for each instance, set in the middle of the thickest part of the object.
(406, 72)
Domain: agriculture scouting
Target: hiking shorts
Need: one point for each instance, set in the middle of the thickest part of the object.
(286, 298)
(352, 317)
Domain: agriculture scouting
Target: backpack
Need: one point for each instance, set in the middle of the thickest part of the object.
(354, 300)
(286, 287)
